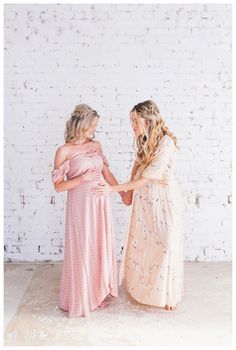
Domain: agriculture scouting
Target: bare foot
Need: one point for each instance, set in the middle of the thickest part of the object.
(104, 303)
(168, 307)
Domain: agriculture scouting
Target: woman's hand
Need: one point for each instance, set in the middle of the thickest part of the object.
(122, 194)
(91, 175)
(127, 199)
(101, 189)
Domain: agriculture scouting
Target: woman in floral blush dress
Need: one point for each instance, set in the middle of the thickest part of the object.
(153, 252)
(89, 274)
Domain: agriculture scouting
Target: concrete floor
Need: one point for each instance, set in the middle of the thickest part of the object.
(32, 316)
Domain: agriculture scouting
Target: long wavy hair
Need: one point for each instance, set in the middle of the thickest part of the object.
(79, 123)
(148, 142)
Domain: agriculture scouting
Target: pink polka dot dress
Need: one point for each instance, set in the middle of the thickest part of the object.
(89, 271)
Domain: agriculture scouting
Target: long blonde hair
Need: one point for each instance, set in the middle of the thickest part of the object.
(79, 122)
(148, 142)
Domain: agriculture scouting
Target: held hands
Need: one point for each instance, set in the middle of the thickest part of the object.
(127, 198)
(122, 194)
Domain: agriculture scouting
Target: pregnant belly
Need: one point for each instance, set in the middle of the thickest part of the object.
(86, 187)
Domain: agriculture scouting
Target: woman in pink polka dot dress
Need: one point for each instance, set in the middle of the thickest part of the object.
(89, 274)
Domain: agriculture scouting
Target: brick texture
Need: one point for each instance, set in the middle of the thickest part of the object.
(112, 56)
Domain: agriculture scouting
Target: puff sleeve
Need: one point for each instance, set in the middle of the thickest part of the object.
(161, 160)
(62, 170)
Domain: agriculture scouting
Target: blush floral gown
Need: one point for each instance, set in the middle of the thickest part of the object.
(152, 261)
(89, 271)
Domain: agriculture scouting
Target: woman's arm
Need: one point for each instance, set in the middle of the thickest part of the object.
(127, 199)
(110, 178)
(131, 185)
(60, 185)
(107, 174)
(106, 188)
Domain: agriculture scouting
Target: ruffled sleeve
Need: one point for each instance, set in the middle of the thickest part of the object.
(161, 160)
(62, 170)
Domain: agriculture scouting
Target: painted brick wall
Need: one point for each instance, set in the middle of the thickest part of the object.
(111, 57)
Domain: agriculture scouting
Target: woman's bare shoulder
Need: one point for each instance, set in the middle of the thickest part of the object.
(66, 145)
(96, 141)
(63, 150)
(97, 144)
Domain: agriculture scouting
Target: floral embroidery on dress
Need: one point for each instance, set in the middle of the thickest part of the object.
(152, 262)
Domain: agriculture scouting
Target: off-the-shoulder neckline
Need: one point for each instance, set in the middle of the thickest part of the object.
(82, 145)
(67, 161)
(83, 151)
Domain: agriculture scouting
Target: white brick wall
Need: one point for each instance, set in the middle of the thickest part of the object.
(111, 57)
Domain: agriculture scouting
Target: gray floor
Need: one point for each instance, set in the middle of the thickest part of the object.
(203, 318)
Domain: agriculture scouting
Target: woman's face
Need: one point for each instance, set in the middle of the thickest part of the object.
(93, 127)
(137, 123)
